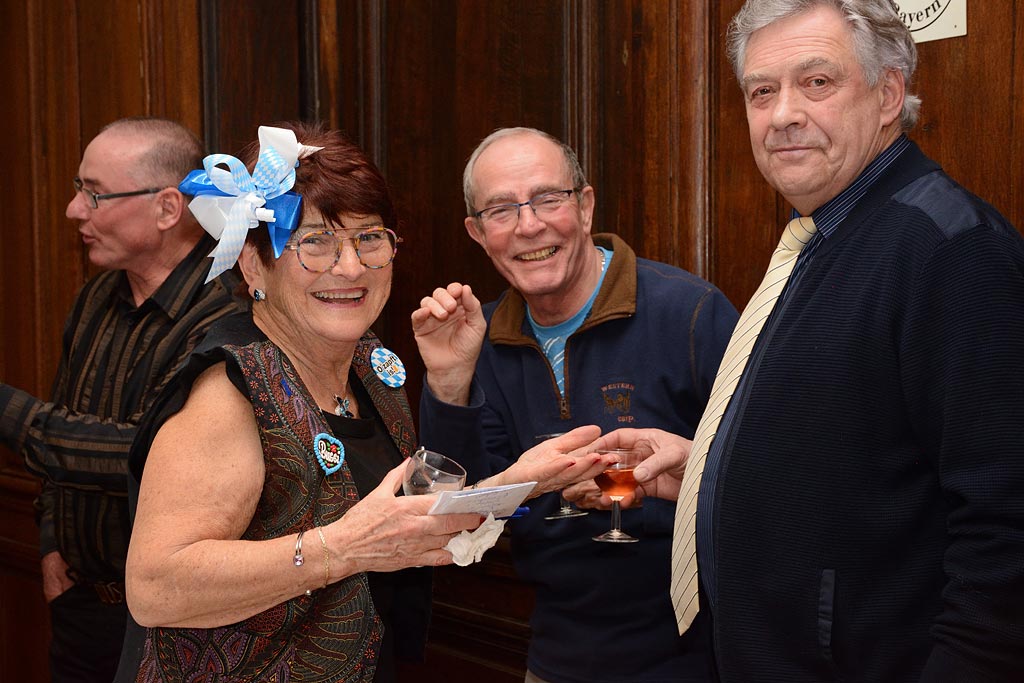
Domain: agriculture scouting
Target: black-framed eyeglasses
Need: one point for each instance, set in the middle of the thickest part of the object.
(95, 198)
(544, 205)
(319, 251)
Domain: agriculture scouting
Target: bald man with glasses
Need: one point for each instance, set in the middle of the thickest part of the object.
(587, 333)
(130, 328)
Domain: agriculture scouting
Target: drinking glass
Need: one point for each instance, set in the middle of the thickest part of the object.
(565, 510)
(617, 481)
(430, 472)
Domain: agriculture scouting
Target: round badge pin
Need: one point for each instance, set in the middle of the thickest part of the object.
(330, 452)
(388, 367)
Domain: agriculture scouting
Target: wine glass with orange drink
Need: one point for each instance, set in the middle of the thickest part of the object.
(617, 482)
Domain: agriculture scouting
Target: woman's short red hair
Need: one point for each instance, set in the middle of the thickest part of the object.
(338, 179)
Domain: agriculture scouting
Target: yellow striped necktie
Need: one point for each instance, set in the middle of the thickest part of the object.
(798, 232)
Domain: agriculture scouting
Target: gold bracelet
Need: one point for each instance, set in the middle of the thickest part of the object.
(327, 557)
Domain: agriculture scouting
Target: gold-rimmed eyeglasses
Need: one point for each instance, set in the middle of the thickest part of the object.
(544, 205)
(94, 198)
(319, 251)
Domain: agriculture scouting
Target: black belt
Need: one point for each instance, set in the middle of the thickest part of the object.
(109, 592)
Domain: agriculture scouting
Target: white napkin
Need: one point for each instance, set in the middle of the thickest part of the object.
(469, 547)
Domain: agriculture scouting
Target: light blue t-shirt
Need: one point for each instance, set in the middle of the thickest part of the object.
(552, 339)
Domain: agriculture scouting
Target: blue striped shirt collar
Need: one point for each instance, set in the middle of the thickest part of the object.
(829, 215)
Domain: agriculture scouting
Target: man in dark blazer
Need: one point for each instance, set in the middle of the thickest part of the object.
(860, 511)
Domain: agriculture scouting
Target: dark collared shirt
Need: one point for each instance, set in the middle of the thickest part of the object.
(826, 219)
(116, 358)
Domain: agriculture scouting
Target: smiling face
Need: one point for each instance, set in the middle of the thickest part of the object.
(551, 261)
(306, 311)
(815, 124)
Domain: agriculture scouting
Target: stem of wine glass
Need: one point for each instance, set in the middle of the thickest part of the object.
(616, 522)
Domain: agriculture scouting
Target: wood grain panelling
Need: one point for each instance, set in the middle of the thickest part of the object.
(653, 74)
(24, 624)
(51, 258)
(251, 69)
(107, 33)
(745, 225)
(172, 58)
(970, 131)
(17, 246)
(641, 88)
(1015, 110)
(69, 68)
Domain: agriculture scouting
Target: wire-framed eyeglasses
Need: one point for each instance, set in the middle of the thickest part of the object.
(545, 205)
(320, 251)
(94, 199)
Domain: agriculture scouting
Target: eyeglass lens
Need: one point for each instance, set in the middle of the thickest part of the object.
(319, 251)
(543, 205)
(89, 194)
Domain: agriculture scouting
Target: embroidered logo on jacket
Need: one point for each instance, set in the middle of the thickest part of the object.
(617, 401)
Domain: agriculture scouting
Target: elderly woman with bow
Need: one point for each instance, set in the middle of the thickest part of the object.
(269, 542)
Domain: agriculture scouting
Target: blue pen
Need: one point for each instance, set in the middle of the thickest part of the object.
(520, 512)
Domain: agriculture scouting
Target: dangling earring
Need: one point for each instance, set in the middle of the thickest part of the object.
(259, 295)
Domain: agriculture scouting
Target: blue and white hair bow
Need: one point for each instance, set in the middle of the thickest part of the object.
(229, 203)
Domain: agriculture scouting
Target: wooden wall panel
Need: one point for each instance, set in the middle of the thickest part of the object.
(972, 117)
(50, 139)
(1015, 110)
(107, 33)
(171, 61)
(653, 69)
(17, 248)
(70, 67)
(251, 72)
(641, 88)
(745, 224)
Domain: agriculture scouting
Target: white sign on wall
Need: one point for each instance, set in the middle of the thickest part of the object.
(933, 19)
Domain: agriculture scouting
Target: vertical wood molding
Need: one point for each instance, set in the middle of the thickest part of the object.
(54, 135)
(209, 25)
(309, 60)
(328, 63)
(578, 45)
(371, 93)
(694, 91)
(358, 97)
(1016, 208)
(171, 50)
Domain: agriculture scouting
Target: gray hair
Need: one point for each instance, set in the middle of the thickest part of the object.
(170, 151)
(881, 41)
(572, 163)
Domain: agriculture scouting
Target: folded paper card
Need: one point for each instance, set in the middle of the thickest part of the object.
(502, 501)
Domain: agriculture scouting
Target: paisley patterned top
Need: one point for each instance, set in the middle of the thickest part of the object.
(335, 634)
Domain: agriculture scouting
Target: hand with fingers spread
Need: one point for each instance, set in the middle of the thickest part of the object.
(449, 329)
(556, 463)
